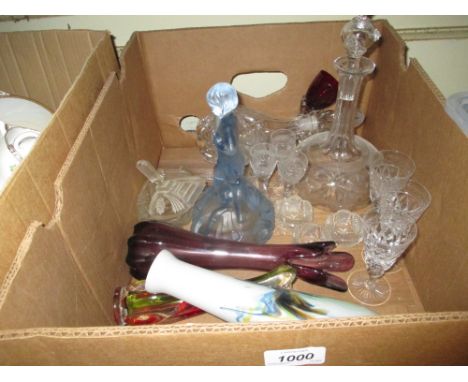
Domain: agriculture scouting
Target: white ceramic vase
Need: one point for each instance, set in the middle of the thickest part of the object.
(236, 300)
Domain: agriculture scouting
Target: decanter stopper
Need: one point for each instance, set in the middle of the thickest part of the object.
(222, 99)
(358, 35)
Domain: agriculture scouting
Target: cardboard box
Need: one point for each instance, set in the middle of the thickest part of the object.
(64, 71)
(56, 300)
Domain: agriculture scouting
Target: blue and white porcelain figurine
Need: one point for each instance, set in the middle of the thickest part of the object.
(231, 208)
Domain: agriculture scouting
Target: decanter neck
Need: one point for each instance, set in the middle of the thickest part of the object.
(351, 71)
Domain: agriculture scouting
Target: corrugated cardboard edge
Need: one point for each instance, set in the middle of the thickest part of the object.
(34, 226)
(75, 147)
(101, 157)
(394, 128)
(435, 90)
(403, 48)
(59, 201)
(16, 264)
(148, 147)
(161, 330)
(69, 93)
(100, 55)
(62, 174)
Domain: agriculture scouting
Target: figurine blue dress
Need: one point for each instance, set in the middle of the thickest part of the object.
(231, 208)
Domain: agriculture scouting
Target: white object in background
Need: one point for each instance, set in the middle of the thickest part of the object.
(21, 123)
(457, 108)
(17, 111)
(236, 300)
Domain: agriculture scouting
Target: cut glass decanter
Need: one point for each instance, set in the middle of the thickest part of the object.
(338, 176)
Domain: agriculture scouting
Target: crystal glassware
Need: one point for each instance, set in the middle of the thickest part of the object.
(321, 93)
(384, 243)
(389, 172)
(338, 176)
(343, 227)
(406, 205)
(283, 142)
(291, 209)
(263, 162)
(409, 202)
(253, 127)
(292, 212)
(308, 232)
(291, 169)
(168, 195)
(231, 208)
(235, 300)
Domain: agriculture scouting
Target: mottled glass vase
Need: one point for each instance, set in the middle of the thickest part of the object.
(235, 300)
(133, 305)
(232, 208)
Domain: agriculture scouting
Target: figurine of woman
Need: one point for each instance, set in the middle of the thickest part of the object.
(231, 208)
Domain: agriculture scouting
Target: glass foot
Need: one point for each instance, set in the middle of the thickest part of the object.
(366, 291)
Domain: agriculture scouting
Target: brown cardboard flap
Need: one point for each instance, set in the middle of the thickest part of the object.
(44, 164)
(28, 63)
(44, 286)
(99, 176)
(146, 133)
(30, 192)
(11, 80)
(416, 123)
(12, 230)
(180, 78)
(19, 204)
(79, 101)
(366, 341)
(43, 65)
(164, 77)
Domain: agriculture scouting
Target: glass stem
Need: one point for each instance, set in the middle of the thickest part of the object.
(263, 184)
(288, 190)
(370, 284)
(375, 272)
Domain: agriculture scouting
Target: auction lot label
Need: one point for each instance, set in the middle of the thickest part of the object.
(295, 357)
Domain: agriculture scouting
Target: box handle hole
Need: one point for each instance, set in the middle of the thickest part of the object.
(189, 123)
(259, 84)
